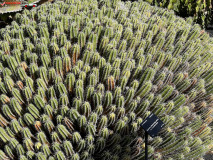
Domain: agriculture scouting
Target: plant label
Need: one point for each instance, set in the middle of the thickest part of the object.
(152, 125)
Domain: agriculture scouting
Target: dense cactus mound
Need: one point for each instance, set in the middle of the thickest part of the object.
(79, 77)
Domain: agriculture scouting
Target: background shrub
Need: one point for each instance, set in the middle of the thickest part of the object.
(200, 10)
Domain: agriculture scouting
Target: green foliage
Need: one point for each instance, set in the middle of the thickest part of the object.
(79, 77)
(199, 11)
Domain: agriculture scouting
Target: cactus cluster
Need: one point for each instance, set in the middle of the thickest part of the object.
(200, 10)
(79, 76)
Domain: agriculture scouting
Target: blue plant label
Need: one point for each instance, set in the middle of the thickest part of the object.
(152, 125)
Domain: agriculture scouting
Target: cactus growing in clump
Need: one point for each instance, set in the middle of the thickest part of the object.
(79, 77)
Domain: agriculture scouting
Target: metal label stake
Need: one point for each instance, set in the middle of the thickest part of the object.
(152, 125)
(146, 145)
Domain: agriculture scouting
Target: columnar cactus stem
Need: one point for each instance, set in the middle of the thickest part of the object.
(75, 53)
(144, 89)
